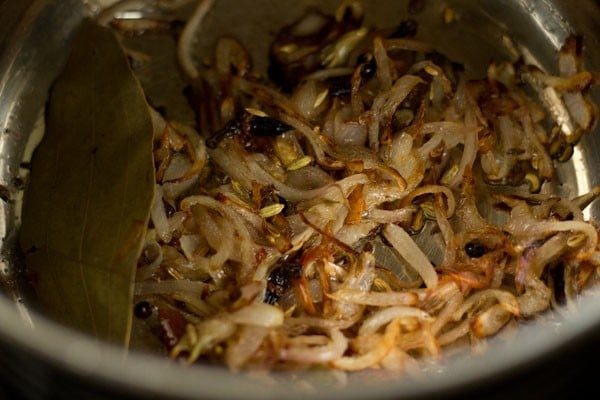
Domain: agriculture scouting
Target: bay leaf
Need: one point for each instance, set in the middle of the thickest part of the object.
(87, 204)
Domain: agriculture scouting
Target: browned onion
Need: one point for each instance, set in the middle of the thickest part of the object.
(289, 241)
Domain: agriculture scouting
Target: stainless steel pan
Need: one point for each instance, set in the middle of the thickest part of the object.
(37, 355)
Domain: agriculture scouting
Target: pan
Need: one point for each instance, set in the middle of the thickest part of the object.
(39, 355)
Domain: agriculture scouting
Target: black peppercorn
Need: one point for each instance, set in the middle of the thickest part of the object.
(142, 310)
(369, 66)
(475, 249)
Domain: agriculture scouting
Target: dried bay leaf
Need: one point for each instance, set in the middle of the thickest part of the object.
(87, 204)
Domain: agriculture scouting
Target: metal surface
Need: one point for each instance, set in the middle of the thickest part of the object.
(39, 354)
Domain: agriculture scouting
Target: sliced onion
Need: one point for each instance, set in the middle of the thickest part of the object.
(452, 335)
(547, 253)
(189, 243)
(445, 315)
(506, 299)
(379, 299)
(346, 180)
(249, 341)
(247, 250)
(490, 321)
(407, 44)
(153, 251)
(447, 132)
(434, 189)
(579, 109)
(398, 92)
(409, 250)
(322, 323)
(399, 361)
(576, 226)
(535, 299)
(188, 35)
(219, 234)
(372, 357)
(331, 351)
(193, 303)
(351, 234)
(397, 216)
(208, 333)
(382, 317)
(159, 216)
(257, 314)
(384, 68)
(170, 286)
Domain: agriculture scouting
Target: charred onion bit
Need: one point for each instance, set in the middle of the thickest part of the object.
(230, 130)
(280, 279)
(266, 126)
(246, 127)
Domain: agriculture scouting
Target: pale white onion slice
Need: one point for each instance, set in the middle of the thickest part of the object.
(332, 350)
(579, 109)
(257, 314)
(188, 244)
(396, 216)
(411, 253)
(379, 299)
(185, 46)
(245, 238)
(159, 216)
(382, 317)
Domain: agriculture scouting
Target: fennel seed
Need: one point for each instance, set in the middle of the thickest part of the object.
(300, 163)
(271, 210)
(321, 98)
(256, 112)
